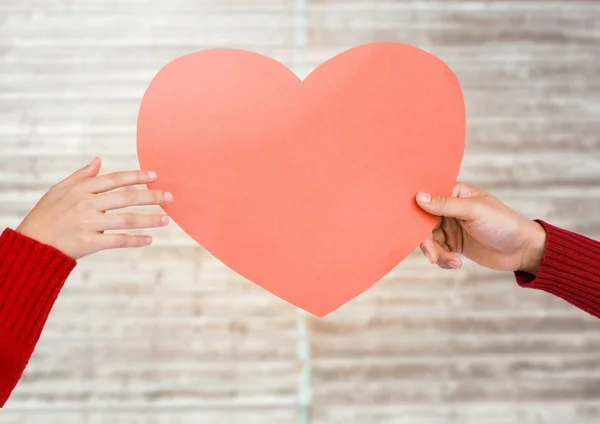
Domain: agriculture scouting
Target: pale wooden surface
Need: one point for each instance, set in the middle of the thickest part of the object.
(169, 335)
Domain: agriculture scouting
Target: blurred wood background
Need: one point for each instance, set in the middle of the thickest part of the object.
(167, 334)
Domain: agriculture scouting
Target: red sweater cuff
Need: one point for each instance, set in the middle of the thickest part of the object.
(569, 269)
(31, 276)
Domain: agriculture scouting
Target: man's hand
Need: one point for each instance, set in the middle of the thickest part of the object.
(72, 216)
(482, 228)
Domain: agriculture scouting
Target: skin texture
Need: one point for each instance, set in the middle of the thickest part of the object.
(480, 227)
(72, 216)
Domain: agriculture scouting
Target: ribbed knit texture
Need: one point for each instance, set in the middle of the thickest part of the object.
(31, 276)
(570, 269)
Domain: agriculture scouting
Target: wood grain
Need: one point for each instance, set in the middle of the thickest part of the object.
(168, 334)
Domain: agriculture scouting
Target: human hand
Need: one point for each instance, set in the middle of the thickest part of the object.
(482, 228)
(72, 216)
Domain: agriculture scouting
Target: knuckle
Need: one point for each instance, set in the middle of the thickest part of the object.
(80, 227)
(444, 202)
(130, 197)
(80, 236)
(157, 196)
(116, 179)
(121, 240)
(83, 243)
(129, 219)
(82, 205)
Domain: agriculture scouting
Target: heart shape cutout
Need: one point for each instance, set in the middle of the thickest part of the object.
(306, 187)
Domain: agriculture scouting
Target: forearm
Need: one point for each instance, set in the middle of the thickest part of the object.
(31, 276)
(569, 268)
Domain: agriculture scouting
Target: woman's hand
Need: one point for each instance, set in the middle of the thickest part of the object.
(482, 228)
(72, 215)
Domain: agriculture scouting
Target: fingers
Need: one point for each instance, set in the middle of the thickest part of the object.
(115, 180)
(88, 171)
(129, 221)
(454, 207)
(126, 198)
(117, 241)
(464, 190)
(447, 259)
(440, 254)
(429, 250)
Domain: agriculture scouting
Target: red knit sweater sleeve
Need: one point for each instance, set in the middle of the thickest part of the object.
(570, 269)
(31, 276)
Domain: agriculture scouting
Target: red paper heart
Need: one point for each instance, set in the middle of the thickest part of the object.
(304, 187)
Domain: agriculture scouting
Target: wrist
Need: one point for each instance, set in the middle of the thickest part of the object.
(26, 231)
(31, 231)
(534, 250)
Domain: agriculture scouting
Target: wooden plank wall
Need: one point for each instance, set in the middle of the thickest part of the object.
(167, 334)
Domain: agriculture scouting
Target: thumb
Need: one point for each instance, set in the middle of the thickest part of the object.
(452, 207)
(90, 170)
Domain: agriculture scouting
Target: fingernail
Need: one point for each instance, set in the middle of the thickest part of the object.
(168, 197)
(428, 255)
(89, 165)
(151, 175)
(424, 198)
(453, 264)
(164, 219)
(148, 240)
